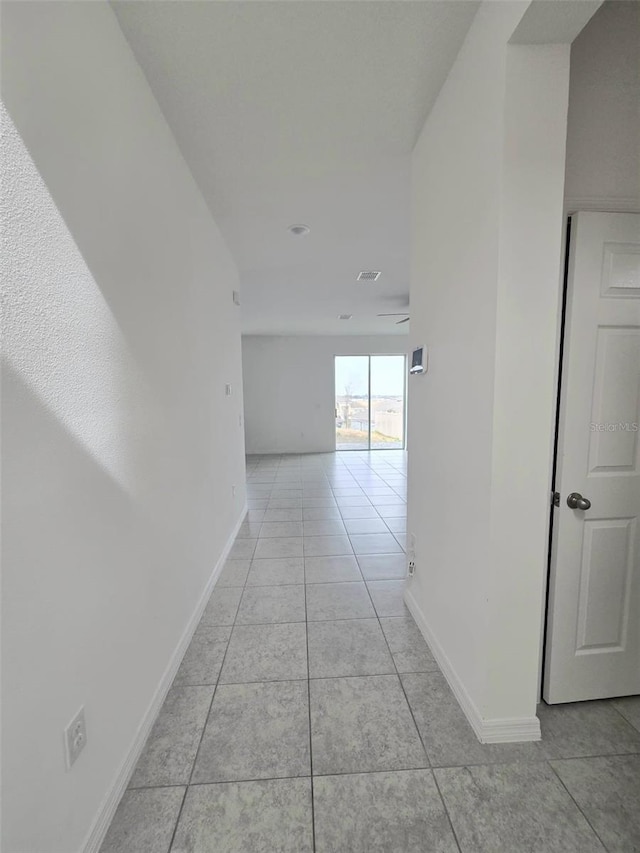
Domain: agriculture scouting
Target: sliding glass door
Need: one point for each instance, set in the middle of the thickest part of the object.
(370, 402)
(388, 378)
(352, 402)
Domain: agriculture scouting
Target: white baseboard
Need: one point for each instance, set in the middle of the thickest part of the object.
(504, 730)
(109, 805)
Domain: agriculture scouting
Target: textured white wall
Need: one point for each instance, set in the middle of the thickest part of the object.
(289, 396)
(487, 224)
(119, 445)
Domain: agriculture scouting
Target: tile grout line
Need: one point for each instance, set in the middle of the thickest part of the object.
(446, 810)
(342, 677)
(217, 684)
(316, 776)
(406, 698)
(615, 707)
(468, 765)
(179, 815)
(190, 783)
(208, 715)
(431, 767)
(426, 751)
(574, 801)
(306, 640)
(313, 831)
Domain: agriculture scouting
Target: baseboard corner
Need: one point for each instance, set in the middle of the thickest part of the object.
(498, 730)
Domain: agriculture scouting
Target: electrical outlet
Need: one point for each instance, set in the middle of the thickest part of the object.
(75, 738)
(411, 556)
(233, 491)
(227, 390)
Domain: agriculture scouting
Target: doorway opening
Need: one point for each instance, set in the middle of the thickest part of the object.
(370, 407)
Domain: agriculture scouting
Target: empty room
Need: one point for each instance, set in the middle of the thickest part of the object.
(320, 415)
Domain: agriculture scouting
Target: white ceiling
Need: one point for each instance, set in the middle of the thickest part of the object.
(303, 112)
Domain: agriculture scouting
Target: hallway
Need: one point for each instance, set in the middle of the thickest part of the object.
(309, 714)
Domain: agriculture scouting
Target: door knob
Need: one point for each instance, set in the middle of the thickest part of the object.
(576, 501)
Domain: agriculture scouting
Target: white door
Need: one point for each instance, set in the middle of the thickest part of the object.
(593, 634)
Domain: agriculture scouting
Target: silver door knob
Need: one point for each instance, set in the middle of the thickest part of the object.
(576, 501)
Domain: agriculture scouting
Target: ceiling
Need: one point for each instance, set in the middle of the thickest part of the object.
(303, 112)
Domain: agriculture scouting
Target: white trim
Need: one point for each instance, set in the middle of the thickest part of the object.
(107, 809)
(602, 205)
(502, 730)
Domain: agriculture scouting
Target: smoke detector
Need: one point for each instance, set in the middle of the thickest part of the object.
(345, 316)
(369, 275)
(299, 230)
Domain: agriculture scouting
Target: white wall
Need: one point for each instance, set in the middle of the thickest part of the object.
(119, 445)
(528, 319)
(487, 227)
(289, 394)
(603, 134)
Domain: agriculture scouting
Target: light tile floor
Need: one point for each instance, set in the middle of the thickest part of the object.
(309, 714)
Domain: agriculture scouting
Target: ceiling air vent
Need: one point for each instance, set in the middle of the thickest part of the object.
(345, 316)
(369, 275)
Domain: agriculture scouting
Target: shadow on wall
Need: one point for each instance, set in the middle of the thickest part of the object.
(113, 511)
(73, 595)
(158, 310)
(129, 500)
(63, 340)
